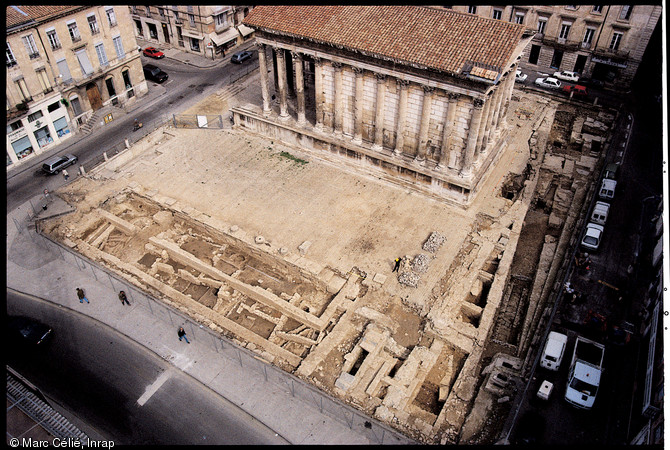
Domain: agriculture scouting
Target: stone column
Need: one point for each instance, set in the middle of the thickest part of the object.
(445, 152)
(318, 92)
(402, 114)
(496, 116)
(482, 127)
(358, 106)
(422, 148)
(488, 119)
(263, 68)
(507, 94)
(466, 166)
(299, 86)
(379, 116)
(281, 75)
(339, 113)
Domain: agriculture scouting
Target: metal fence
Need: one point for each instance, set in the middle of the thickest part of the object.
(376, 431)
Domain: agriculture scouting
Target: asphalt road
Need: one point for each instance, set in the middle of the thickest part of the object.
(123, 391)
(186, 86)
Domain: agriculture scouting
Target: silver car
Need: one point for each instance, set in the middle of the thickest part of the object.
(549, 82)
(57, 163)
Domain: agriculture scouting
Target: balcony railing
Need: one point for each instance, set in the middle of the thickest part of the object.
(607, 52)
(11, 63)
(34, 55)
(76, 38)
(56, 46)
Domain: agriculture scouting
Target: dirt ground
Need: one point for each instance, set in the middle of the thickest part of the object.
(292, 257)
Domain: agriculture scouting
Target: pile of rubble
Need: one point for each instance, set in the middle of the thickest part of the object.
(433, 242)
(420, 263)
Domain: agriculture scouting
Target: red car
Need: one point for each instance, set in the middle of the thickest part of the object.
(153, 53)
(578, 90)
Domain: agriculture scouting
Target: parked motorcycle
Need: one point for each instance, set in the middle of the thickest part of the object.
(137, 125)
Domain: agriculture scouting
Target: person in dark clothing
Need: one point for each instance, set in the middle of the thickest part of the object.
(397, 265)
(182, 334)
(123, 298)
(81, 295)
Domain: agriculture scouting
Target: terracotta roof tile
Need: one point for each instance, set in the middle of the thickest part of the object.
(17, 15)
(441, 39)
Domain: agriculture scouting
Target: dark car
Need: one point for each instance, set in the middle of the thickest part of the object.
(152, 52)
(240, 57)
(57, 163)
(153, 73)
(27, 331)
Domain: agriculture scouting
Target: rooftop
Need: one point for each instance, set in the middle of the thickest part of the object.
(445, 40)
(20, 15)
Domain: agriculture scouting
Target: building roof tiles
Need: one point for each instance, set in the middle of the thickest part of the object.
(441, 39)
(19, 15)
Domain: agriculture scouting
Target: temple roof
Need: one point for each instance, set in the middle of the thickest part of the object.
(441, 39)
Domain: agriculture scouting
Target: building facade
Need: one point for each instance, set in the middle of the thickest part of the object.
(63, 64)
(205, 30)
(602, 43)
(380, 88)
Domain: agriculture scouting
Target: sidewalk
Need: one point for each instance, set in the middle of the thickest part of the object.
(291, 417)
(194, 59)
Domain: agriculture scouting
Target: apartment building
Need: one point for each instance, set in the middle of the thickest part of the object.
(604, 43)
(207, 30)
(63, 64)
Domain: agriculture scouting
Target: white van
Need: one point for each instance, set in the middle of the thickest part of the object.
(607, 189)
(553, 351)
(600, 212)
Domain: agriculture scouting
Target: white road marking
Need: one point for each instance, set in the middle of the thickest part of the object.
(152, 388)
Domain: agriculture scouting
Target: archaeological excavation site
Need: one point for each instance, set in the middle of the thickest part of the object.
(290, 253)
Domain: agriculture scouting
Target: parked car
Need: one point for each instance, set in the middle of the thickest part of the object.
(553, 351)
(57, 163)
(566, 75)
(152, 52)
(520, 77)
(240, 57)
(600, 212)
(153, 73)
(607, 189)
(611, 171)
(577, 90)
(592, 236)
(27, 331)
(549, 82)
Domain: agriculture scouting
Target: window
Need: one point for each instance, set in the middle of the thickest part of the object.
(616, 40)
(84, 62)
(597, 9)
(22, 147)
(53, 39)
(176, 16)
(161, 12)
(497, 14)
(14, 126)
(118, 46)
(61, 127)
(53, 107)
(541, 25)
(102, 56)
(126, 79)
(64, 70)
(140, 31)
(93, 24)
(29, 42)
(220, 20)
(148, 11)
(43, 136)
(111, 17)
(191, 19)
(23, 90)
(74, 32)
(571, 6)
(44, 81)
(195, 45)
(472, 9)
(588, 37)
(565, 30)
(11, 61)
(626, 11)
(518, 18)
(153, 31)
(34, 116)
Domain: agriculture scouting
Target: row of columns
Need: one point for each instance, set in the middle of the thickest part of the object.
(485, 119)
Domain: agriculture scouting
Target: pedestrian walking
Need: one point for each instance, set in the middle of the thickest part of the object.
(82, 296)
(123, 298)
(65, 174)
(182, 334)
(397, 265)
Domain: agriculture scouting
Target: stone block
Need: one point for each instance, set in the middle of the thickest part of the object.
(379, 278)
(345, 381)
(302, 248)
(163, 218)
(335, 284)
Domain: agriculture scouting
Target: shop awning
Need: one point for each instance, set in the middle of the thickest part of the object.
(226, 36)
(245, 30)
(192, 34)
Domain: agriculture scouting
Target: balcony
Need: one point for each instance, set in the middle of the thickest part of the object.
(34, 55)
(561, 43)
(608, 53)
(11, 63)
(56, 46)
(76, 39)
